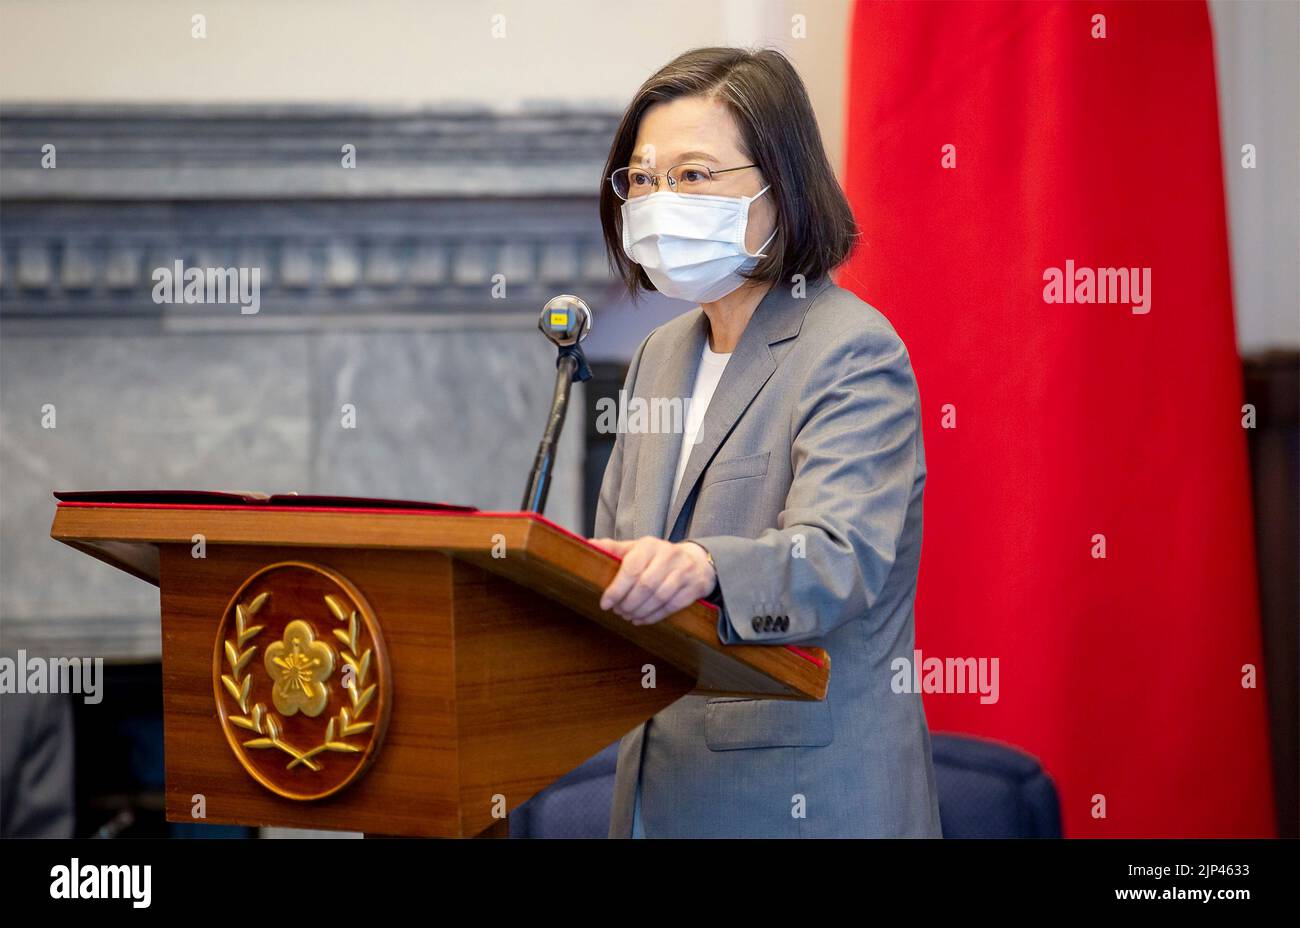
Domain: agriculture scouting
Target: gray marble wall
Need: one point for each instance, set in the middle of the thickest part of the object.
(444, 416)
(449, 378)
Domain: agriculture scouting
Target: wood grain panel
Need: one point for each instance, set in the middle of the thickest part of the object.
(539, 691)
(411, 788)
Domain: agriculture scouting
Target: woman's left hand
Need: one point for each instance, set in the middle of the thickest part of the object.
(657, 578)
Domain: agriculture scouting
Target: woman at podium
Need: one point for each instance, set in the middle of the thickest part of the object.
(791, 495)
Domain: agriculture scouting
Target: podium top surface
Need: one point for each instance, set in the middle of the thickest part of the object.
(125, 530)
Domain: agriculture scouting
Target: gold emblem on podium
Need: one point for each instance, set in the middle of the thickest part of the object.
(308, 717)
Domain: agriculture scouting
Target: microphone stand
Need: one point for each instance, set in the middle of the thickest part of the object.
(570, 367)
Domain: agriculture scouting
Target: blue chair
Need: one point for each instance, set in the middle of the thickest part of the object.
(992, 790)
(986, 790)
(574, 806)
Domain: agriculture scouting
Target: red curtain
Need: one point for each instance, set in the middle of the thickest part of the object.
(1055, 428)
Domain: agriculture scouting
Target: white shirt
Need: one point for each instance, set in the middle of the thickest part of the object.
(707, 376)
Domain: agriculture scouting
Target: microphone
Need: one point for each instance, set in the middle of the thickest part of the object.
(565, 320)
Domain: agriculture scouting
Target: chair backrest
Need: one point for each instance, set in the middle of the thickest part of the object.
(993, 790)
(574, 806)
(986, 790)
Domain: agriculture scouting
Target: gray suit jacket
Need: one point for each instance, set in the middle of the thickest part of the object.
(806, 488)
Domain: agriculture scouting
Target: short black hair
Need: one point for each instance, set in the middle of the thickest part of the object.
(815, 226)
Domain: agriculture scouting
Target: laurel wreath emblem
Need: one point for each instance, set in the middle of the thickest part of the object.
(345, 724)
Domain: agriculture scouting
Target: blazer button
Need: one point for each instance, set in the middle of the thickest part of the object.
(757, 623)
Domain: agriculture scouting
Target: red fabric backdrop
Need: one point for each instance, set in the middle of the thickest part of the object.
(1123, 674)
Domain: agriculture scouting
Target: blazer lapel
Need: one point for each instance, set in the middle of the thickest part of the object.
(777, 317)
(658, 451)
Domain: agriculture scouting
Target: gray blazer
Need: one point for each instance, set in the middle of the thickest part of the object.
(806, 488)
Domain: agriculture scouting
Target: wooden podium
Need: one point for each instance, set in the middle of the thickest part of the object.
(397, 669)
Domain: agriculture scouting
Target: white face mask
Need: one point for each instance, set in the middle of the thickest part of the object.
(690, 246)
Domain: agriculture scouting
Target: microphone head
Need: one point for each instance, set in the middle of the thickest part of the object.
(565, 320)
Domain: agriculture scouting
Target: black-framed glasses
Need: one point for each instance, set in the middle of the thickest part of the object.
(687, 179)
